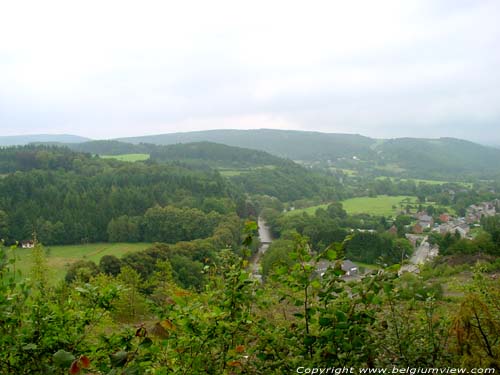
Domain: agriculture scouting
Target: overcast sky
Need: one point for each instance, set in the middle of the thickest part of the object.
(380, 68)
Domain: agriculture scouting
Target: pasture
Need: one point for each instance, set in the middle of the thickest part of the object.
(382, 205)
(59, 258)
(127, 157)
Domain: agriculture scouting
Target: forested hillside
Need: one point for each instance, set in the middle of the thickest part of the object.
(440, 157)
(296, 145)
(68, 197)
(218, 155)
(254, 172)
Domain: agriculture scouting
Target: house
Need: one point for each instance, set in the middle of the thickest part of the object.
(393, 230)
(349, 268)
(455, 226)
(417, 228)
(444, 218)
(28, 244)
(461, 231)
(476, 211)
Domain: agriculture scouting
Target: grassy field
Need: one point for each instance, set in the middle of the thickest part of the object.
(382, 205)
(127, 157)
(60, 257)
(231, 172)
(348, 172)
(419, 181)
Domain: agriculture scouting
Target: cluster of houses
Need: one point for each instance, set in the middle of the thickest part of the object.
(450, 224)
(477, 211)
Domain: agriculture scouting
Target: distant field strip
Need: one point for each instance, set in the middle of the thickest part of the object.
(127, 157)
(383, 205)
(60, 257)
(419, 181)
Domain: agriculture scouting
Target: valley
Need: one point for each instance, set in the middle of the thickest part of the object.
(263, 250)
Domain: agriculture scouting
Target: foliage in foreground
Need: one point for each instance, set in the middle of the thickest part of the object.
(238, 326)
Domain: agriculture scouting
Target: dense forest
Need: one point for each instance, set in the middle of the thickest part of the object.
(68, 197)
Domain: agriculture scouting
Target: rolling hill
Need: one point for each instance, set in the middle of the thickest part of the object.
(20, 140)
(440, 158)
(406, 157)
(216, 154)
(296, 145)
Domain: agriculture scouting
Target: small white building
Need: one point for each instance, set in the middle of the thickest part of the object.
(28, 244)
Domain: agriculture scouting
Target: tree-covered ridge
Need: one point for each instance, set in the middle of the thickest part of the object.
(216, 154)
(413, 157)
(68, 197)
(296, 145)
(26, 158)
(289, 182)
(438, 157)
(110, 147)
(258, 172)
(16, 140)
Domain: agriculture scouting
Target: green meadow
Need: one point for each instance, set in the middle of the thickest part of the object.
(59, 258)
(420, 181)
(127, 157)
(382, 205)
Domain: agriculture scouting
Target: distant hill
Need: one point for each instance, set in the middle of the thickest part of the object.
(215, 154)
(106, 147)
(438, 157)
(405, 157)
(296, 145)
(15, 140)
(412, 157)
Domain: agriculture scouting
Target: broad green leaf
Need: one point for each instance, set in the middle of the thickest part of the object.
(119, 359)
(63, 358)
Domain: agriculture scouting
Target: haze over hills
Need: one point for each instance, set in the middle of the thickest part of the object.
(292, 144)
(414, 157)
(406, 157)
(14, 140)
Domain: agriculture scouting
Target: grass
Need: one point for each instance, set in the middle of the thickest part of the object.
(382, 205)
(229, 172)
(309, 210)
(59, 258)
(348, 172)
(420, 181)
(127, 157)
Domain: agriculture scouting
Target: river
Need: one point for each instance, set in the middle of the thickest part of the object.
(265, 239)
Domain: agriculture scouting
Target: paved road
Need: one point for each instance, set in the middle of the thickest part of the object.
(424, 253)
